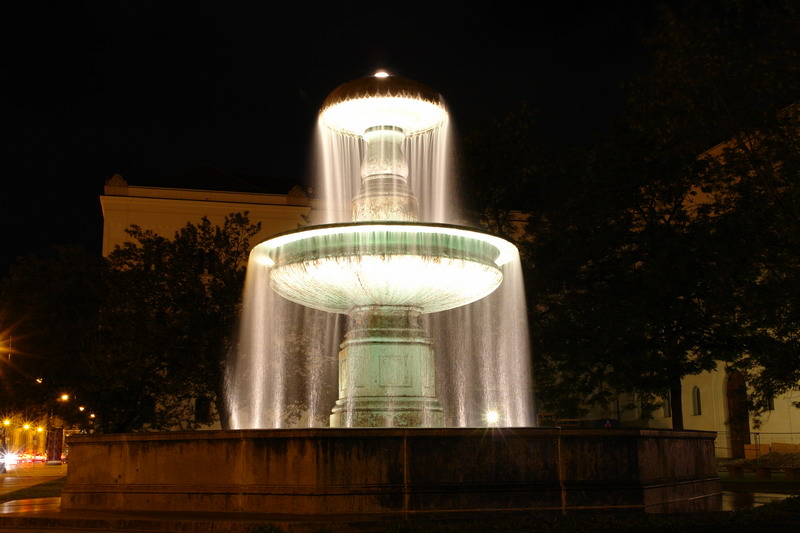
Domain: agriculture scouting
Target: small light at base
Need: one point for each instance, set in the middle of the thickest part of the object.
(492, 417)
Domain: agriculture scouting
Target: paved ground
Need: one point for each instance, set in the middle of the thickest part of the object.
(23, 476)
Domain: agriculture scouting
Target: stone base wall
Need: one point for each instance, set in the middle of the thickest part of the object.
(366, 471)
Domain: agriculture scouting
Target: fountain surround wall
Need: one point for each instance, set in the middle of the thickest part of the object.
(393, 472)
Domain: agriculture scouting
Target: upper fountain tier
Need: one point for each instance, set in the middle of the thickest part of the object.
(385, 258)
(383, 100)
(383, 111)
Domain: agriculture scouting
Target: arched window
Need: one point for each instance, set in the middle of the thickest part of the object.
(697, 408)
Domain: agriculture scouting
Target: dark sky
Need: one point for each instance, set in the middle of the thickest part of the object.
(148, 89)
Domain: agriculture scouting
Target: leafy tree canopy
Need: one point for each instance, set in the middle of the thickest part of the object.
(670, 247)
(137, 337)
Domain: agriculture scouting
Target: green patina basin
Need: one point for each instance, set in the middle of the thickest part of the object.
(339, 267)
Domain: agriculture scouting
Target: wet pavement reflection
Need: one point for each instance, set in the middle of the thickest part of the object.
(33, 505)
(736, 501)
(731, 501)
(23, 476)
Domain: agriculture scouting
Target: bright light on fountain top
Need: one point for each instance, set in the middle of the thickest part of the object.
(383, 100)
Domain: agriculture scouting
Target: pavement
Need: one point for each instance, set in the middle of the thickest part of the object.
(22, 476)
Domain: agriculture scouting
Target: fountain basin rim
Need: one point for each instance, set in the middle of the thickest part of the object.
(355, 117)
(507, 250)
(449, 431)
(360, 104)
(381, 87)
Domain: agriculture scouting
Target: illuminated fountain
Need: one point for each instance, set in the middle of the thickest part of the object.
(387, 264)
(435, 336)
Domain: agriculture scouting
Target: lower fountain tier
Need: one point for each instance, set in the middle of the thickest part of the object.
(387, 371)
(432, 267)
(386, 412)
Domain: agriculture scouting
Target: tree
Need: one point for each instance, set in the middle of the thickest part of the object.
(513, 155)
(136, 338)
(763, 170)
(169, 323)
(728, 72)
(658, 262)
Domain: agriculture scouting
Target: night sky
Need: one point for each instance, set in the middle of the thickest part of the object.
(148, 89)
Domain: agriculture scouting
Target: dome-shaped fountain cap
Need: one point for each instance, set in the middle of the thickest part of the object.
(383, 100)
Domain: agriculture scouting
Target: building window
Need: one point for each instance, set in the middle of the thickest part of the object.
(697, 408)
(667, 405)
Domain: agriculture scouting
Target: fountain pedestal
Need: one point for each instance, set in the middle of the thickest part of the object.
(386, 371)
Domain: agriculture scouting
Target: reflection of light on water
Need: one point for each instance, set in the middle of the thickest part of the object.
(32, 505)
(736, 501)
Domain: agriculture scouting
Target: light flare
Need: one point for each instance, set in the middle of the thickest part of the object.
(10, 458)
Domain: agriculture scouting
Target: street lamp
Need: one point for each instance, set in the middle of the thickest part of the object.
(55, 436)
